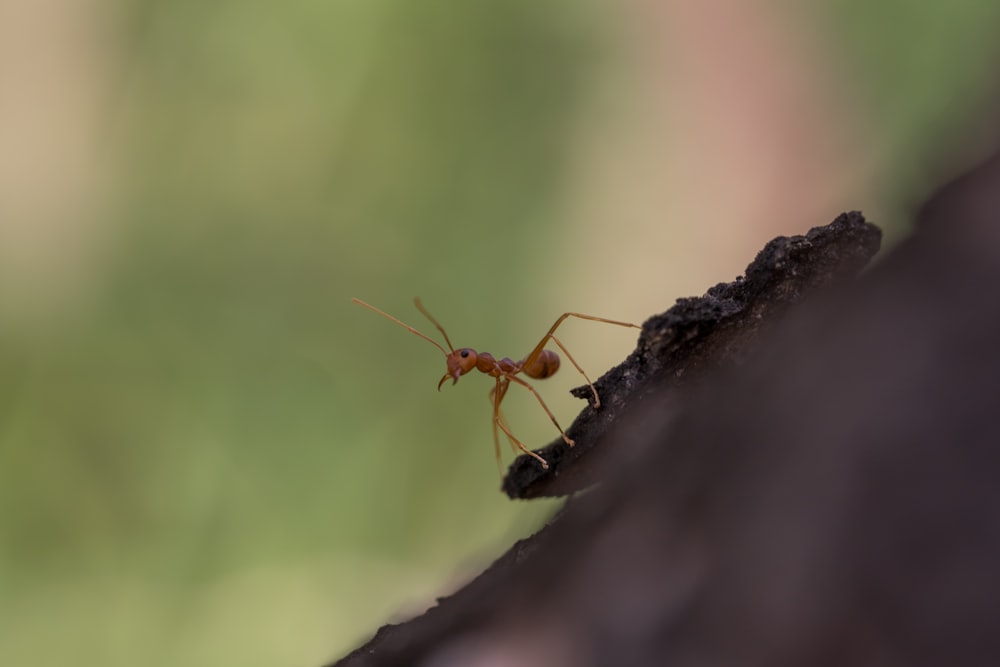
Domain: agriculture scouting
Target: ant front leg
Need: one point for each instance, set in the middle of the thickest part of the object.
(531, 362)
(497, 394)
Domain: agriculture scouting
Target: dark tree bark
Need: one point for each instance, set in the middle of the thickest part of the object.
(801, 467)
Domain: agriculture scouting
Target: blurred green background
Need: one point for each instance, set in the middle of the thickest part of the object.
(208, 455)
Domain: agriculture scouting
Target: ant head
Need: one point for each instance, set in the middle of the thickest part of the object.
(460, 362)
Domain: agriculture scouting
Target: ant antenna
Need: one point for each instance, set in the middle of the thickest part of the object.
(407, 326)
(420, 307)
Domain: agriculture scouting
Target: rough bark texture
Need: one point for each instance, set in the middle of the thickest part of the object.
(696, 335)
(789, 475)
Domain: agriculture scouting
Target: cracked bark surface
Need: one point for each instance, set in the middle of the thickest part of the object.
(800, 467)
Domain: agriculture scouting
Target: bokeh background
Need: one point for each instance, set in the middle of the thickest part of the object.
(208, 455)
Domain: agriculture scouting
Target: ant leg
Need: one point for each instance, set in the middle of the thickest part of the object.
(521, 446)
(593, 389)
(532, 357)
(503, 421)
(497, 393)
(496, 396)
(496, 436)
(521, 382)
(499, 421)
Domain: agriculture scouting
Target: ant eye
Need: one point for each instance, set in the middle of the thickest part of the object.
(465, 353)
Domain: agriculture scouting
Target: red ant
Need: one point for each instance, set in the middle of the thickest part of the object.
(539, 364)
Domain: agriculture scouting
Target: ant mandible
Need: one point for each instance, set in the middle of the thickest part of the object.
(539, 364)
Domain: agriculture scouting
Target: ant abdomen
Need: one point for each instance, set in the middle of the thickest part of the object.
(544, 365)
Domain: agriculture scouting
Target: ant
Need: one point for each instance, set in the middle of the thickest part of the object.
(539, 364)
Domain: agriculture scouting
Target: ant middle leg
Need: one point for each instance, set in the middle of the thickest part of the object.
(496, 397)
(569, 441)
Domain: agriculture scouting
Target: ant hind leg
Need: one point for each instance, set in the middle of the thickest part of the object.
(593, 389)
